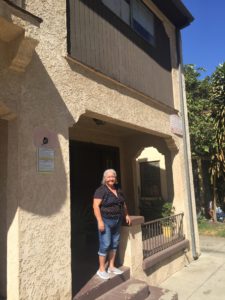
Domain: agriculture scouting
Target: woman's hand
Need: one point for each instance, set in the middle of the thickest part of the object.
(128, 220)
(101, 226)
(96, 206)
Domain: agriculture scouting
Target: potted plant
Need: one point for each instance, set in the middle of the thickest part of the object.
(167, 224)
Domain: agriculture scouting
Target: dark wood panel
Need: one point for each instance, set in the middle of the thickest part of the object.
(79, 43)
(104, 44)
(97, 40)
(101, 40)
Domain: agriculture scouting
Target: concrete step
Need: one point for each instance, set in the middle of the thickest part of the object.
(96, 286)
(157, 293)
(132, 289)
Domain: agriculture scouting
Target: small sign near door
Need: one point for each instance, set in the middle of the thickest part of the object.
(45, 160)
(176, 125)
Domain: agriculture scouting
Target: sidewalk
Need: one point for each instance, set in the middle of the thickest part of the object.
(203, 278)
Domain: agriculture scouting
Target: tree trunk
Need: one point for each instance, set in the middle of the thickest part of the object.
(214, 198)
(201, 183)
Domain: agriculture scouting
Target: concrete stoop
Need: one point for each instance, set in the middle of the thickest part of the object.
(157, 293)
(131, 289)
(122, 287)
(96, 287)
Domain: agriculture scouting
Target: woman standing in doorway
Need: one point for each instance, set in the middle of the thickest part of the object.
(109, 209)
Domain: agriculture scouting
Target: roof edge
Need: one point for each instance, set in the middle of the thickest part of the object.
(175, 11)
(183, 9)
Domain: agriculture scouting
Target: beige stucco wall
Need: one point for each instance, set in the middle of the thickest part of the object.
(165, 269)
(3, 204)
(53, 93)
(12, 213)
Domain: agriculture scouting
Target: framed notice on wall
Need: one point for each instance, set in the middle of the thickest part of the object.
(45, 160)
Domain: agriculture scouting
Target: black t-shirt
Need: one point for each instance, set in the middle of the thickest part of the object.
(112, 206)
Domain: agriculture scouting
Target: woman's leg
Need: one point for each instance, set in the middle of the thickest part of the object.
(102, 260)
(115, 239)
(104, 244)
(112, 256)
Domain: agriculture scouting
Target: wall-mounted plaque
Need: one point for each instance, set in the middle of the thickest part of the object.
(45, 160)
(176, 125)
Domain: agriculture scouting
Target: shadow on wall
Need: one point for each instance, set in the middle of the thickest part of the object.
(39, 194)
(43, 194)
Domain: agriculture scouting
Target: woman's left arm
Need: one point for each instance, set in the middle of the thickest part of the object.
(127, 217)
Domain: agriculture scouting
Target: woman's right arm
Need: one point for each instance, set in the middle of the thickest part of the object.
(97, 212)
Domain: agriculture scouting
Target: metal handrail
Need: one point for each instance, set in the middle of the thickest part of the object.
(160, 234)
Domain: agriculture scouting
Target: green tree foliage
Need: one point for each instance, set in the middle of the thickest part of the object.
(202, 131)
(217, 96)
(206, 112)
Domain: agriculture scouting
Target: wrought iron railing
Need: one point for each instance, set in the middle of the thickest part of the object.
(162, 233)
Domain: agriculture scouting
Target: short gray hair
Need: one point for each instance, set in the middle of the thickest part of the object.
(105, 173)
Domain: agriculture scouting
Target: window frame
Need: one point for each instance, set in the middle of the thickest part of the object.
(144, 7)
(150, 40)
(157, 182)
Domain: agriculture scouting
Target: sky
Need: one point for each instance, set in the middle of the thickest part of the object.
(203, 41)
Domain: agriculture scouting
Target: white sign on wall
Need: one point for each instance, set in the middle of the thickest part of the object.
(176, 125)
(45, 160)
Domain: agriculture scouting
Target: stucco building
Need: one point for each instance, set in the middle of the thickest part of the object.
(85, 85)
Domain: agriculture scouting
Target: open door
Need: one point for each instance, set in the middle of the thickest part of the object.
(87, 164)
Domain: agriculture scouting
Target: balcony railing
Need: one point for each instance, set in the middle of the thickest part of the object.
(162, 233)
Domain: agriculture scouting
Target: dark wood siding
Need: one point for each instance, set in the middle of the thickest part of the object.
(99, 39)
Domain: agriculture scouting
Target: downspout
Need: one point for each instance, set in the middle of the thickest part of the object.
(187, 151)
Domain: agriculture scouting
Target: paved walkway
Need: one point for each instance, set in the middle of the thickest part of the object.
(203, 278)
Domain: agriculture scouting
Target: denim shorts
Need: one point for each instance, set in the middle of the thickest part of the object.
(109, 238)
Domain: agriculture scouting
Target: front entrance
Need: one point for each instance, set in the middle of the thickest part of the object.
(87, 164)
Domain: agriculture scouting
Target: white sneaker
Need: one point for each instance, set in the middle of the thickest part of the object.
(103, 275)
(115, 271)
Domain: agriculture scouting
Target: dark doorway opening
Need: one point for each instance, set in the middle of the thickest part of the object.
(87, 164)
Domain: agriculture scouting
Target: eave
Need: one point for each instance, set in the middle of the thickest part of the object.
(175, 11)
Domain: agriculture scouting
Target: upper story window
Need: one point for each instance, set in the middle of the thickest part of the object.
(135, 14)
(143, 21)
(120, 7)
